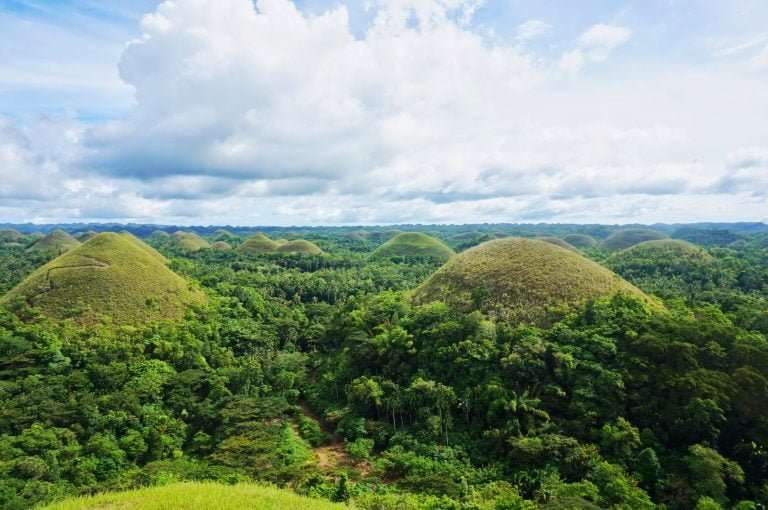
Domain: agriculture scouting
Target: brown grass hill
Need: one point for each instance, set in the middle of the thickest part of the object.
(411, 245)
(298, 246)
(580, 241)
(189, 241)
(57, 241)
(221, 246)
(10, 235)
(160, 234)
(257, 244)
(558, 242)
(623, 239)
(521, 279)
(659, 265)
(112, 278)
(224, 235)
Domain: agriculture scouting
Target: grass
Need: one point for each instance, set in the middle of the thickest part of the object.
(299, 246)
(623, 239)
(414, 245)
(558, 242)
(260, 243)
(198, 496)
(57, 241)
(221, 245)
(189, 241)
(10, 235)
(580, 241)
(521, 279)
(113, 276)
(665, 249)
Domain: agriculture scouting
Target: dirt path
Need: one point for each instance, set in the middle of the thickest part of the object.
(334, 455)
(50, 284)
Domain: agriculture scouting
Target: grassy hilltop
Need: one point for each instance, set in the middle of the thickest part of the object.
(259, 243)
(580, 241)
(520, 278)
(57, 241)
(198, 496)
(623, 239)
(413, 245)
(112, 275)
(189, 241)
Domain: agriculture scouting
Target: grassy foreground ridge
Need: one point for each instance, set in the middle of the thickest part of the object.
(197, 496)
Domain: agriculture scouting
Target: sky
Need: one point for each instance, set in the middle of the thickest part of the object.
(334, 112)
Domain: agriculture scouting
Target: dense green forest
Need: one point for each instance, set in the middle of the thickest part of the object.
(317, 371)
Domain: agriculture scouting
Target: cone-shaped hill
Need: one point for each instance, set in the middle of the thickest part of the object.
(221, 246)
(580, 241)
(259, 243)
(298, 246)
(57, 241)
(112, 275)
(520, 279)
(652, 263)
(623, 239)
(189, 241)
(413, 245)
(557, 242)
(10, 235)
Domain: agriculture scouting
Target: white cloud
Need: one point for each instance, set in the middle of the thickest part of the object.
(532, 29)
(262, 114)
(595, 45)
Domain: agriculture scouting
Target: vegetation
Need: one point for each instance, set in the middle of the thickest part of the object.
(10, 235)
(56, 242)
(623, 239)
(580, 241)
(189, 241)
(298, 246)
(323, 376)
(520, 279)
(198, 496)
(221, 245)
(413, 245)
(558, 242)
(112, 277)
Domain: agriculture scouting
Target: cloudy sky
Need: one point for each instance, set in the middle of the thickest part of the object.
(280, 112)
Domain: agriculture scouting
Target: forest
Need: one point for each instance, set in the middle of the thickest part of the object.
(384, 370)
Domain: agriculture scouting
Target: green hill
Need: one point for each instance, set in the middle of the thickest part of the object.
(224, 235)
(111, 275)
(257, 244)
(665, 265)
(221, 246)
(160, 234)
(57, 241)
(298, 246)
(580, 241)
(413, 245)
(558, 242)
(84, 236)
(623, 239)
(189, 241)
(10, 235)
(198, 496)
(517, 278)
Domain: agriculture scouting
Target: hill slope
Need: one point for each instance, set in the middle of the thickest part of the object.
(57, 241)
(112, 275)
(521, 279)
(298, 246)
(198, 496)
(623, 239)
(580, 241)
(189, 241)
(414, 245)
(558, 242)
